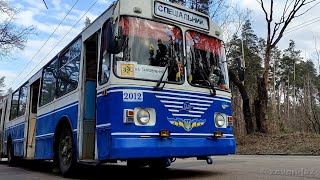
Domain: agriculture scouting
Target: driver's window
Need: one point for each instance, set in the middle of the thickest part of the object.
(105, 67)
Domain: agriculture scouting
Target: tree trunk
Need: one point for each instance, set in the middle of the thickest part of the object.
(262, 99)
(245, 102)
(261, 106)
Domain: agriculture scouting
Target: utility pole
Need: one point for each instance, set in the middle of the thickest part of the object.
(274, 85)
(294, 90)
(242, 49)
(288, 95)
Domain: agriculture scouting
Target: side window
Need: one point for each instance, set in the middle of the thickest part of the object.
(22, 100)
(104, 59)
(68, 76)
(105, 68)
(49, 79)
(14, 105)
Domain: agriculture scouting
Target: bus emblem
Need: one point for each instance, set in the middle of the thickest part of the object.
(187, 124)
(187, 107)
(225, 106)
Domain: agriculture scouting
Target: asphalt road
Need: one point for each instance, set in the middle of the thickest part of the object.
(224, 167)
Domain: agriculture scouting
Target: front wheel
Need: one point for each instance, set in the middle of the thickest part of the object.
(160, 163)
(136, 163)
(66, 153)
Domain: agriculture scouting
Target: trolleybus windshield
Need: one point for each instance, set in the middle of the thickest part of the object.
(205, 60)
(148, 48)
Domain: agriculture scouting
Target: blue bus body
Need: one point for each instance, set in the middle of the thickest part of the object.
(189, 135)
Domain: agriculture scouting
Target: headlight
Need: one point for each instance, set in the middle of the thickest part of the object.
(220, 119)
(143, 117)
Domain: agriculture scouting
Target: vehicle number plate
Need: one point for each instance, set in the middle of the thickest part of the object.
(132, 96)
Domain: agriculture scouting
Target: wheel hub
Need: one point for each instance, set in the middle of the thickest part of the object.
(66, 146)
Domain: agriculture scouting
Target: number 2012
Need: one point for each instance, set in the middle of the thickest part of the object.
(132, 96)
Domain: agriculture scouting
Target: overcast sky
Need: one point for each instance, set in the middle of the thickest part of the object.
(34, 12)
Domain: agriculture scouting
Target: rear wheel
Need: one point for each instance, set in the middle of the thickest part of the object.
(66, 153)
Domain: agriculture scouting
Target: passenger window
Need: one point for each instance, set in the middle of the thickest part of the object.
(14, 105)
(0, 116)
(69, 69)
(22, 100)
(49, 79)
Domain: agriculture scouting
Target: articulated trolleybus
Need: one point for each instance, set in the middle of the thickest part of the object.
(145, 83)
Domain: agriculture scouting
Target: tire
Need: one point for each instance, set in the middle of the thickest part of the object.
(11, 159)
(66, 153)
(135, 163)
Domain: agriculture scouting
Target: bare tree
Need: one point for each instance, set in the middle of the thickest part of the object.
(87, 22)
(12, 37)
(229, 16)
(275, 31)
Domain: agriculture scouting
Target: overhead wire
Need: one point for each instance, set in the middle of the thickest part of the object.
(44, 43)
(299, 26)
(61, 39)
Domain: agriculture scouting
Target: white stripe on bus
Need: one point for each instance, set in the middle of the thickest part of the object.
(171, 102)
(186, 115)
(55, 111)
(18, 139)
(173, 110)
(173, 134)
(169, 93)
(173, 106)
(185, 99)
(44, 135)
(103, 125)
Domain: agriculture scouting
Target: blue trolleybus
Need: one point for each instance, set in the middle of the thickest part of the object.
(145, 83)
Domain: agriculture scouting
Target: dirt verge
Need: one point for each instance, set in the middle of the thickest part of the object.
(285, 144)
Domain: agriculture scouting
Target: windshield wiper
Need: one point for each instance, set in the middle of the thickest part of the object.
(171, 60)
(160, 80)
(206, 79)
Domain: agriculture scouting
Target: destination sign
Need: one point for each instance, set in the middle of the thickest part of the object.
(180, 15)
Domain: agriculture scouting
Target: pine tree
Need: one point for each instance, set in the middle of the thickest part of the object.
(182, 2)
(250, 51)
(251, 58)
(200, 5)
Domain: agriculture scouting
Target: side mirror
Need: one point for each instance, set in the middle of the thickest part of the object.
(113, 41)
(240, 69)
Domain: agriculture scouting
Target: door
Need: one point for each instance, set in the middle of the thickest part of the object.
(2, 119)
(32, 119)
(90, 86)
(1, 130)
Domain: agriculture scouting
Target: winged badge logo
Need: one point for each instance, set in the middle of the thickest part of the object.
(225, 106)
(187, 124)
